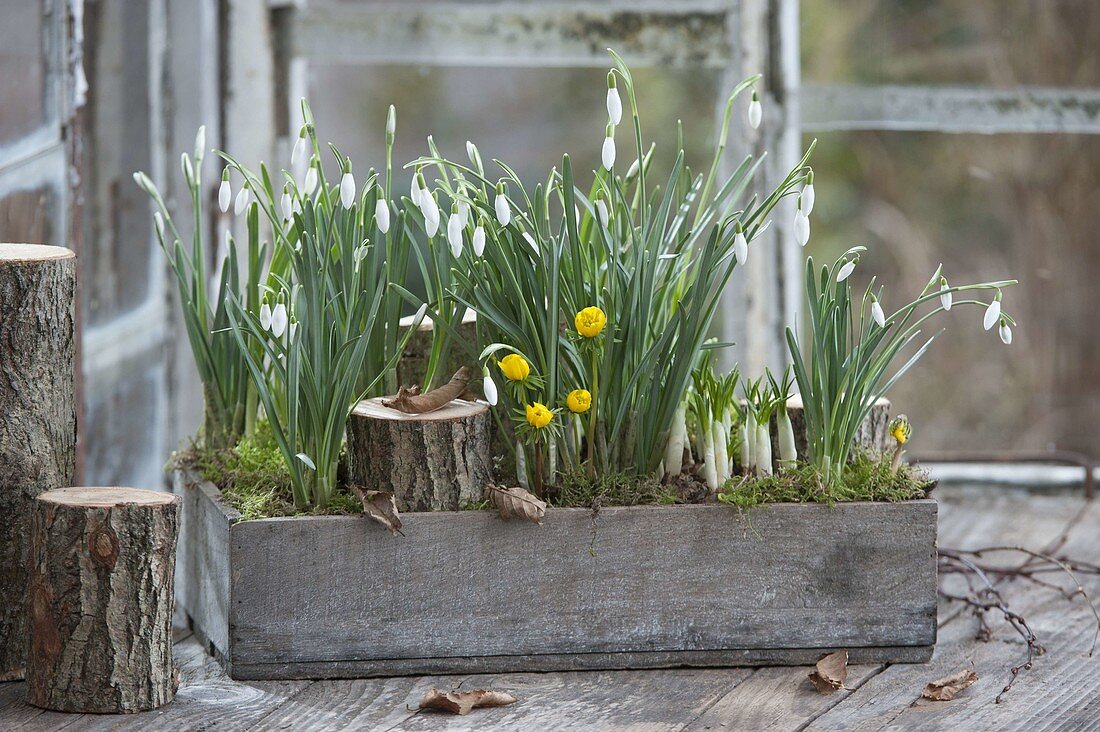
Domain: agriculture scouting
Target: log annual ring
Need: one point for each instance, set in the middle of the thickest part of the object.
(106, 497)
(457, 409)
(33, 252)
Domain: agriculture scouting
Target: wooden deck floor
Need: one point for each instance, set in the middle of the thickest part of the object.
(1061, 692)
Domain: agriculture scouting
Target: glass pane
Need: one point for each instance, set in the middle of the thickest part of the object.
(22, 70)
(30, 216)
(987, 207)
(985, 42)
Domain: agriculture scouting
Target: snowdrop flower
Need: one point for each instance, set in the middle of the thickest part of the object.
(531, 241)
(614, 103)
(188, 170)
(808, 195)
(286, 204)
(421, 311)
(298, 156)
(740, 245)
(504, 212)
(876, 312)
(801, 225)
(464, 213)
(311, 177)
(414, 189)
(241, 202)
(225, 192)
(488, 386)
(429, 208)
(471, 151)
(993, 312)
(608, 153)
(391, 124)
(454, 232)
(158, 221)
(846, 270)
(279, 320)
(945, 294)
(479, 240)
(382, 215)
(265, 316)
(632, 171)
(292, 331)
(756, 112)
(601, 209)
(347, 188)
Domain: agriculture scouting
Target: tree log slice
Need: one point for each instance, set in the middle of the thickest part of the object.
(431, 462)
(37, 415)
(414, 359)
(100, 600)
(872, 435)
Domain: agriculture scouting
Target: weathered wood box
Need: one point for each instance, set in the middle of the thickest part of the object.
(654, 586)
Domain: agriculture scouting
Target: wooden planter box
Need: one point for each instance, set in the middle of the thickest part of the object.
(639, 587)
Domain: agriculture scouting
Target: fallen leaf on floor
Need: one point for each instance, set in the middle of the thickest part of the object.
(831, 672)
(946, 688)
(515, 502)
(380, 506)
(461, 702)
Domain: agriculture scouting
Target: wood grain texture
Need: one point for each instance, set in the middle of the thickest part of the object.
(37, 414)
(438, 461)
(100, 602)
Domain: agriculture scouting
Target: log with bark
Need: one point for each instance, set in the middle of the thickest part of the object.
(37, 414)
(872, 435)
(100, 600)
(414, 359)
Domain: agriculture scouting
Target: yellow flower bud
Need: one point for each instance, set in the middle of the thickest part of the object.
(900, 429)
(590, 322)
(579, 401)
(538, 416)
(515, 367)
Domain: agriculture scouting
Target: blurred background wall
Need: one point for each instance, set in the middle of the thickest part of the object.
(953, 131)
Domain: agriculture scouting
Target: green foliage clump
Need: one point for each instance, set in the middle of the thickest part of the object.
(579, 489)
(866, 478)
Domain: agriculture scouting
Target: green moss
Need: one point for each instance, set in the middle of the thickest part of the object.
(577, 488)
(254, 479)
(867, 478)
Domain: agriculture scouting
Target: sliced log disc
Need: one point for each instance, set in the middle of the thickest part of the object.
(436, 461)
(100, 600)
(37, 415)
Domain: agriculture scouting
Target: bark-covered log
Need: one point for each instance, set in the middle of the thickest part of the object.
(414, 359)
(37, 415)
(872, 435)
(430, 462)
(100, 600)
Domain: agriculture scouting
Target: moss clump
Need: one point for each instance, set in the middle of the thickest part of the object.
(253, 479)
(579, 489)
(867, 478)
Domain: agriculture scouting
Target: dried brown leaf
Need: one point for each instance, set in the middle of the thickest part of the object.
(380, 506)
(831, 672)
(461, 702)
(946, 688)
(411, 401)
(515, 502)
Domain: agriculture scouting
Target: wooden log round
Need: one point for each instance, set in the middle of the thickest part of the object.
(413, 365)
(872, 435)
(37, 415)
(100, 600)
(430, 462)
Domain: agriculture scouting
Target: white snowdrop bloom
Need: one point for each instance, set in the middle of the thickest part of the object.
(846, 271)
(876, 313)
(756, 112)
(454, 233)
(992, 313)
(741, 247)
(347, 189)
(298, 156)
(414, 190)
(601, 211)
(292, 331)
(225, 192)
(607, 155)
(531, 242)
(241, 202)
(614, 102)
(286, 203)
(801, 228)
(311, 179)
(464, 212)
(279, 320)
(382, 215)
(430, 209)
(391, 123)
(945, 294)
(1006, 332)
(158, 221)
(489, 387)
(808, 195)
(265, 316)
(478, 242)
(504, 211)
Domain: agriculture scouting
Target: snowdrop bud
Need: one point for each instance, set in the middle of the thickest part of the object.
(1006, 332)
(601, 209)
(608, 154)
(347, 188)
(225, 192)
(286, 203)
(504, 211)
(292, 331)
(188, 171)
(489, 387)
(801, 228)
(876, 312)
(531, 242)
(200, 142)
(311, 178)
(158, 221)
(298, 153)
(421, 311)
(479, 240)
(614, 103)
(740, 246)
(278, 320)
(382, 215)
(945, 296)
(265, 316)
(992, 313)
(846, 270)
(632, 171)
(756, 112)
(414, 190)
(240, 203)
(391, 124)
(808, 196)
(471, 151)
(454, 232)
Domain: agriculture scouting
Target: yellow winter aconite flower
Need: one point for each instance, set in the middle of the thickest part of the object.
(900, 429)
(590, 322)
(515, 367)
(579, 401)
(538, 416)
